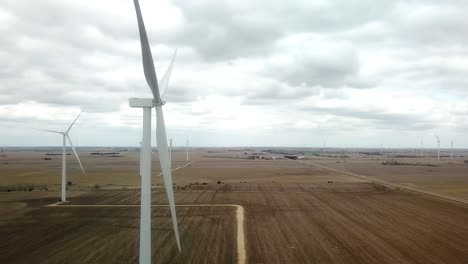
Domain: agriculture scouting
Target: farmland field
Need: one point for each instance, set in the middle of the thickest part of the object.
(448, 177)
(294, 212)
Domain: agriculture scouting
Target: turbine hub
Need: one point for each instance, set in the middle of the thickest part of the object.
(159, 103)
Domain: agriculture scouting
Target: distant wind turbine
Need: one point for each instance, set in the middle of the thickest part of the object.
(147, 104)
(422, 148)
(438, 147)
(451, 149)
(64, 155)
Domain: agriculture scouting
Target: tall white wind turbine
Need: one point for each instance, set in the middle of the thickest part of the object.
(147, 104)
(438, 147)
(64, 156)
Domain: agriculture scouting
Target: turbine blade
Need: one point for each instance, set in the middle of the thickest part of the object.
(164, 83)
(73, 122)
(164, 160)
(52, 131)
(74, 152)
(147, 57)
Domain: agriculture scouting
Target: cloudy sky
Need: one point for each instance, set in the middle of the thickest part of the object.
(248, 73)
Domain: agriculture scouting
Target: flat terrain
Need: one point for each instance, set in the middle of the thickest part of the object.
(110, 234)
(285, 223)
(449, 177)
(294, 213)
(122, 169)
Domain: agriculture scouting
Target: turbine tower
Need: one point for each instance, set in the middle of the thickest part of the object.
(438, 147)
(422, 148)
(147, 104)
(451, 149)
(65, 136)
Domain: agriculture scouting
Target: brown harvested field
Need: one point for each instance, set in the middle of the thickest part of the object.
(236, 171)
(285, 223)
(448, 177)
(292, 215)
(29, 167)
(110, 234)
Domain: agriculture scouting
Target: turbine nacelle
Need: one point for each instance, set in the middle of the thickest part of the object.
(145, 102)
(141, 102)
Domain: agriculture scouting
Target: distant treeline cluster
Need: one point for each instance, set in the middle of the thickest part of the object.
(106, 154)
(23, 187)
(394, 162)
(284, 152)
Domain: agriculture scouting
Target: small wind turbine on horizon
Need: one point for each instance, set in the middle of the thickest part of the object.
(422, 148)
(147, 104)
(451, 149)
(438, 147)
(64, 156)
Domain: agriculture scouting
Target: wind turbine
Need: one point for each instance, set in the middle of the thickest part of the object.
(438, 147)
(64, 156)
(147, 104)
(422, 148)
(451, 149)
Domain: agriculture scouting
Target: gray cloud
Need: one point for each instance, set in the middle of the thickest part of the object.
(312, 63)
(379, 118)
(180, 94)
(48, 57)
(277, 93)
(223, 30)
(430, 24)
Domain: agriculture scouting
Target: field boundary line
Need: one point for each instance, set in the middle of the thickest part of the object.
(180, 167)
(394, 185)
(55, 204)
(240, 220)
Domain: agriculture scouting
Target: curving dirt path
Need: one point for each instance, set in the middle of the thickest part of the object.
(240, 220)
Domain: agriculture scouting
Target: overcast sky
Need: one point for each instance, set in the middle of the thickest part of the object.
(248, 73)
